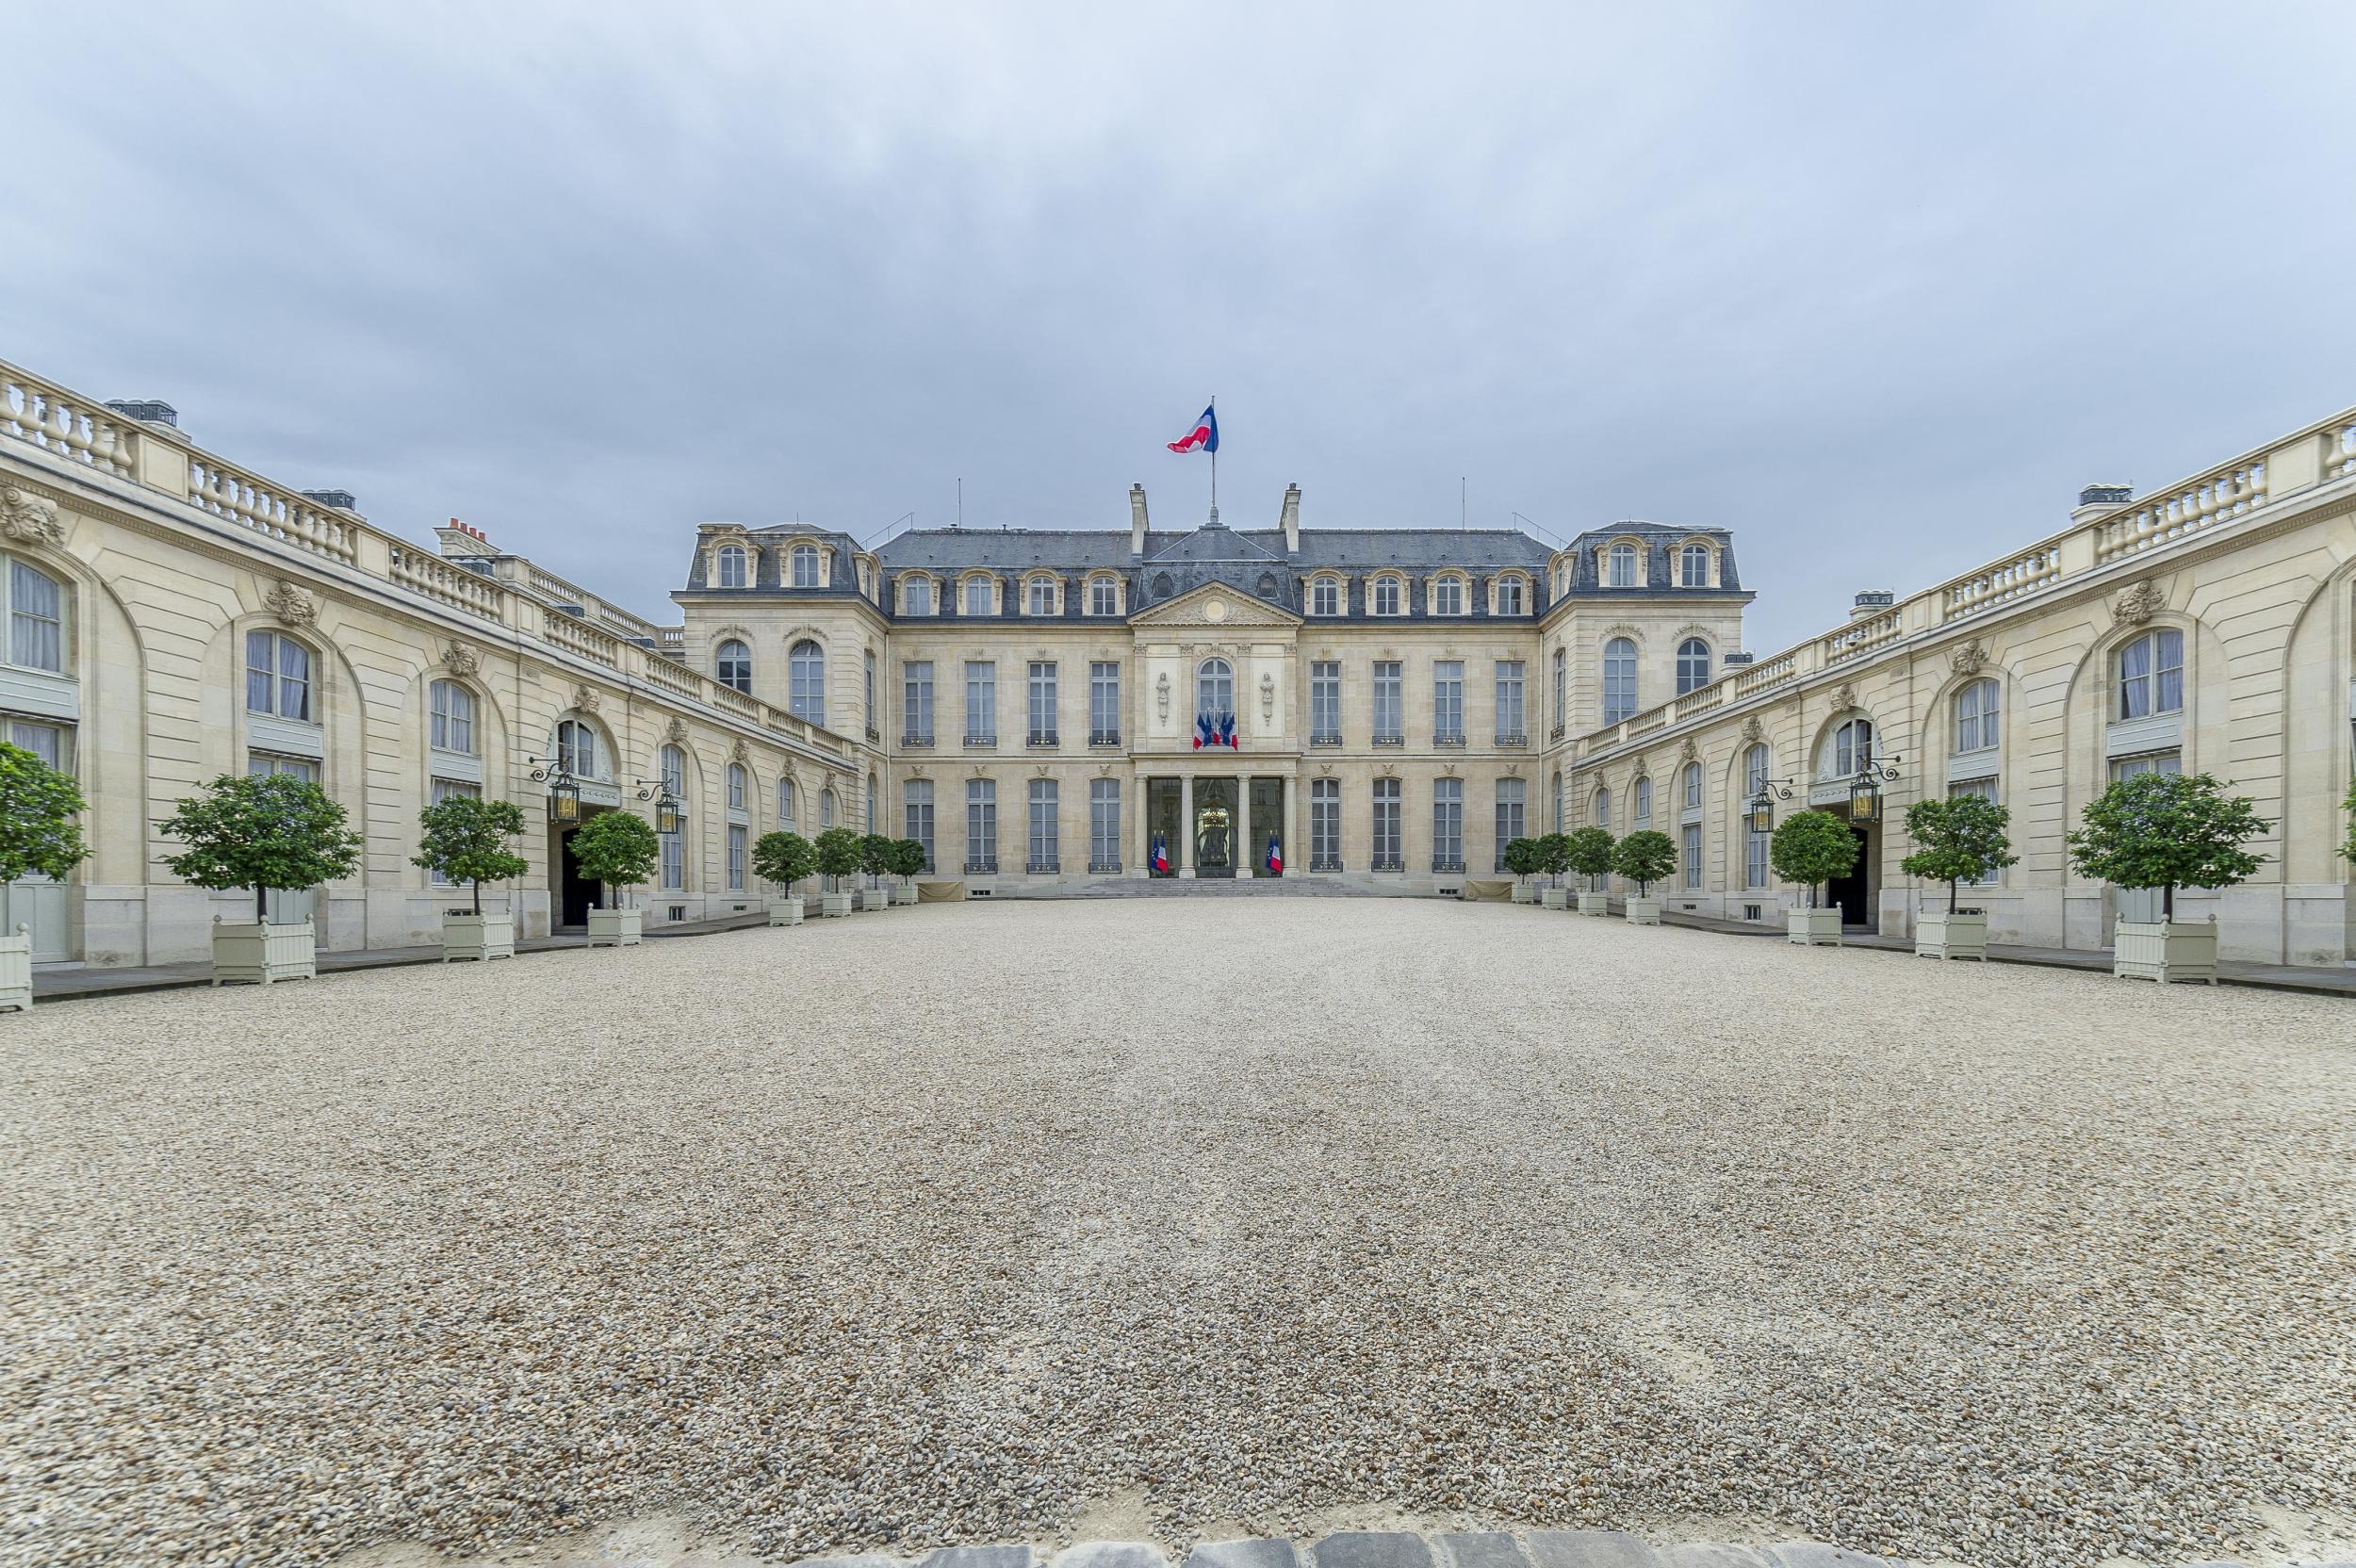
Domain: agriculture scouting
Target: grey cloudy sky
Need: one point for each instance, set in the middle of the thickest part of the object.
(1877, 285)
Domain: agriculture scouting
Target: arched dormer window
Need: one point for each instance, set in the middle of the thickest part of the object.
(1619, 679)
(35, 605)
(1694, 566)
(1325, 597)
(977, 600)
(1693, 665)
(1266, 587)
(1214, 688)
(1163, 587)
(1510, 599)
(733, 566)
(1103, 596)
(805, 678)
(802, 562)
(1620, 566)
(1448, 595)
(734, 666)
(1386, 596)
(277, 676)
(1041, 594)
(1977, 709)
(916, 596)
(450, 707)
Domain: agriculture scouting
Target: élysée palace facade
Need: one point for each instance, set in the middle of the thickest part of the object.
(1027, 703)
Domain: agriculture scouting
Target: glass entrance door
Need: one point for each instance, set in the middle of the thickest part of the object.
(1218, 824)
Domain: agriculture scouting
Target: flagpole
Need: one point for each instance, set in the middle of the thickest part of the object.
(1215, 460)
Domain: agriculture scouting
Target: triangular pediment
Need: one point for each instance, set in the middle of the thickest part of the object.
(1216, 604)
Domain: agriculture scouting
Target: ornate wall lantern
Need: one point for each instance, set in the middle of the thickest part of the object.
(1762, 813)
(563, 789)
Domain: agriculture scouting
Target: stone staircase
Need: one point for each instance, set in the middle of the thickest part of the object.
(1287, 886)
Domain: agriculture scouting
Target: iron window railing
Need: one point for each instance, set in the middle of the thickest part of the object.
(916, 740)
(981, 743)
(1448, 865)
(1104, 737)
(1447, 737)
(1042, 868)
(1326, 738)
(1390, 739)
(1513, 738)
(1104, 868)
(988, 864)
(1329, 864)
(1042, 739)
(1390, 865)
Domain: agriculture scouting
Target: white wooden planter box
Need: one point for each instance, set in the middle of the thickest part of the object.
(2165, 951)
(1594, 904)
(1643, 912)
(249, 952)
(16, 970)
(833, 906)
(1523, 893)
(875, 898)
(480, 938)
(1813, 927)
(1962, 934)
(617, 927)
(785, 911)
(1555, 898)
(904, 894)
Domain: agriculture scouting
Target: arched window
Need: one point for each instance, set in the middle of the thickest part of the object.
(1852, 747)
(826, 808)
(2152, 674)
(806, 674)
(738, 783)
(1267, 585)
(1447, 596)
(576, 749)
(35, 620)
(1692, 786)
(785, 803)
(1976, 716)
(1693, 665)
(671, 762)
(1755, 768)
(732, 573)
(1621, 560)
(1214, 688)
(1640, 812)
(1103, 597)
(1509, 596)
(977, 596)
(1386, 596)
(1325, 597)
(1162, 585)
(452, 725)
(1562, 688)
(1619, 679)
(733, 664)
(1694, 566)
(1042, 597)
(1603, 807)
(805, 559)
(916, 596)
(277, 676)
(1558, 803)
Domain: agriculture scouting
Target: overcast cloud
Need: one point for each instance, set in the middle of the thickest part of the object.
(1877, 287)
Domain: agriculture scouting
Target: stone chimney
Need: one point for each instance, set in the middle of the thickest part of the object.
(2096, 499)
(457, 538)
(1871, 602)
(1292, 519)
(146, 408)
(1137, 519)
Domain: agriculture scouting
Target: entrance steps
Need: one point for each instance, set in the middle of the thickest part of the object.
(1219, 887)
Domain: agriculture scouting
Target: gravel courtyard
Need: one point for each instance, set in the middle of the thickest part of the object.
(1228, 1216)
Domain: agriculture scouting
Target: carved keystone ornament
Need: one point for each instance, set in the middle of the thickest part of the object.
(461, 658)
(28, 519)
(291, 605)
(2138, 603)
(1966, 659)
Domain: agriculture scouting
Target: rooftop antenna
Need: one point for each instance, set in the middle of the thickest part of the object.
(1463, 505)
(960, 500)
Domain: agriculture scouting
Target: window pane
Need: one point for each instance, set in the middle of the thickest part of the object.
(294, 680)
(36, 620)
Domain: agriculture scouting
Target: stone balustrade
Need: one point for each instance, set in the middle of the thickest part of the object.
(516, 593)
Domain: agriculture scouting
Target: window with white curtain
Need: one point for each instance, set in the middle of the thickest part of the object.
(277, 675)
(1448, 824)
(916, 596)
(1389, 720)
(2152, 674)
(1214, 688)
(1045, 854)
(1621, 565)
(1325, 702)
(977, 596)
(1619, 679)
(451, 724)
(1447, 596)
(1325, 597)
(804, 563)
(1690, 855)
(1386, 596)
(1325, 825)
(1042, 597)
(916, 701)
(981, 825)
(1447, 702)
(1104, 825)
(916, 799)
(1508, 702)
(1509, 596)
(806, 675)
(1976, 716)
(981, 702)
(1694, 566)
(732, 564)
(1388, 854)
(37, 620)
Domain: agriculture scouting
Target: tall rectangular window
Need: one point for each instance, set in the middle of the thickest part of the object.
(453, 726)
(1562, 688)
(1986, 790)
(981, 825)
(916, 596)
(1509, 731)
(1388, 854)
(1325, 825)
(1105, 704)
(35, 620)
(916, 800)
(1448, 824)
(737, 834)
(1619, 679)
(1389, 719)
(1325, 704)
(867, 712)
(277, 675)
(1512, 814)
(2152, 674)
(1690, 857)
(1447, 702)
(674, 861)
(1043, 731)
(1043, 813)
(916, 701)
(981, 702)
(1104, 825)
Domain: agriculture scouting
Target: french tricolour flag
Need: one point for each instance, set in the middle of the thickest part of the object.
(1161, 853)
(1203, 437)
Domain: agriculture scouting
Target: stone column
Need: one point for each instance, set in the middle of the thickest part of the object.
(1141, 794)
(1291, 848)
(1182, 853)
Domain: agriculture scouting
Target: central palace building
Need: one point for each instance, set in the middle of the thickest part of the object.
(1386, 706)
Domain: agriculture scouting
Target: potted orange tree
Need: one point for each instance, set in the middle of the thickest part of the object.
(784, 858)
(1645, 858)
(1591, 857)
(1961, 839)
(262, 832)
(464, 839)
(40, 833)
(2167, 831)
(617, 848)
(1812, 848)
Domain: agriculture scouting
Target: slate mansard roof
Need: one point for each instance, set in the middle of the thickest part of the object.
(1252, 561)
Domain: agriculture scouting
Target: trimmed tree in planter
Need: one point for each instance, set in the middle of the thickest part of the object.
(1812, 848)
(464, 839)
(619, 848)
(277, 831)
(2167, 831)
(1520, 858)
(875, 858)
(1591, 857)
(1962, 840)
(907, 864)
(40, 833)
(1554, 859)
(2347, 850)
(838, 857)
(1644, 858)
(784, 858)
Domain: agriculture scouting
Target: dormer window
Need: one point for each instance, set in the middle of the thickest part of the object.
(1447, 596)
(1043, 592)
(1325, 597)
(977, 596)
(805, 560)
(916, 596)
(1620, 566)
(1694, 566)
(1386, 596)
(1509, 596)
(733, 573)
(1103, 597)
